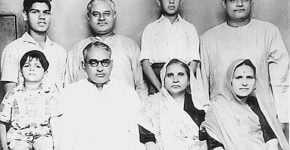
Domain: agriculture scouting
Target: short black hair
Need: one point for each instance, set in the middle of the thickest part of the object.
(37, 55)
(27, 4)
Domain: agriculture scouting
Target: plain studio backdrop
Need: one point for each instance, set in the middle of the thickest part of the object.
(69, 22)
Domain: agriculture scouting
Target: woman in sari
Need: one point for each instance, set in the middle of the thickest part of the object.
(241, 118)
(173, 116)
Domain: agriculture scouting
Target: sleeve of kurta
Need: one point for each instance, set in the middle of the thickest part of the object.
(278, 69)
(204, 67)
(193, 43)
(6, 107)
(140, 86)
(146, 43)
(9, 64)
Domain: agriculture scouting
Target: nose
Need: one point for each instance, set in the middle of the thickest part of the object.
(240, 3)
(100, 68)
(175, 79)
(244, 82)
(31, 68)
(41, 15)
(102, 17)
(171, 1)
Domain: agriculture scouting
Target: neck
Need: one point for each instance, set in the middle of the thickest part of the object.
(105, 36)
(40, 38)
(238, 23)
(172, 18)
(32, 86)
(179, 98)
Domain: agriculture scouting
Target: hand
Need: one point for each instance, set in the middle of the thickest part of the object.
(151, 146)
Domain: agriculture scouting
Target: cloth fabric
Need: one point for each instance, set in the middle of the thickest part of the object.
(27, 113)
(233, 123)
(100, 120)
(259, 41)
(163, 40)
(125, 55)
(13, 52)
(172, 126)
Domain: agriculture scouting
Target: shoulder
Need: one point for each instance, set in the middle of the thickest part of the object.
(217, 30)
(126, 42)
(188, 25)
(79, 46)
(266, 26)
(125, 39)
(152, 26)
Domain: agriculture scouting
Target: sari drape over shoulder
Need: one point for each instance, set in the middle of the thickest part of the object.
(234, 124)
(172, 126)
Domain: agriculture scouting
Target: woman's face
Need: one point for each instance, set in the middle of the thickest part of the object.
(176, 79)
(243, 81)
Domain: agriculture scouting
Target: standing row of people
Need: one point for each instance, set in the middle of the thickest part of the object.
(108, 67)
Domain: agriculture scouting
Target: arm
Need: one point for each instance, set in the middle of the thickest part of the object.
(150, 74)
(55, 130)
(278, 69)
(204, 65)
(3, 136)
(272, 144)
(193, 66)
(8, 86)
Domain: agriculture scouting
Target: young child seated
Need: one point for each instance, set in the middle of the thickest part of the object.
(27, 110)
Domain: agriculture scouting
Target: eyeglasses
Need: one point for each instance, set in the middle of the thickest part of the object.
(235, 1)
(95, 62)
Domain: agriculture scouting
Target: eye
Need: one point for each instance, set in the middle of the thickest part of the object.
(26, 65)
(250, 77)
(238, 77)
(33, 11)
(96, 14)
(38, 66)
(181, 74)
(107, 14)
(169, 75)
(47, 12)
(106, 62)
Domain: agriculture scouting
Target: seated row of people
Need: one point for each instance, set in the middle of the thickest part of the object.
(101, 113)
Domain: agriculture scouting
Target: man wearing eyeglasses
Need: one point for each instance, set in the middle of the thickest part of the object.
(244, 37)
(99, 112)
(101, 15)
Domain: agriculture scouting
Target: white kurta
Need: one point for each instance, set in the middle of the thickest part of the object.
(259, 41)
(100, 120)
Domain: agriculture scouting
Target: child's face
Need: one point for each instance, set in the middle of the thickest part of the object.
(170, 7)
(32, 70)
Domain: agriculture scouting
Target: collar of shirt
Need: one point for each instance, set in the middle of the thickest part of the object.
(106, 39)
(29, 39)
(165, 19)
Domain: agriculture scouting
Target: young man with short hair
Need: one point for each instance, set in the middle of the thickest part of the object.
(37, 14)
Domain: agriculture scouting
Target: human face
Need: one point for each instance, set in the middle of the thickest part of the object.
(176, 79)
(101, 18)
(32, 70)
(38, 17)
(170, 7)
(243, 81)
(98, 73)
(238, 10)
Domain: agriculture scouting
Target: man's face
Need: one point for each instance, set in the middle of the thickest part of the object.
(170, 7)
(98, 65)
(101, 18)
(38, 17)
(238, 10)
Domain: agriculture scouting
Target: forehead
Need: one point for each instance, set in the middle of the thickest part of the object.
(39, 6)
(244, 70)
(98, 53)
(176, 67)
(101, 6)
(32, 60)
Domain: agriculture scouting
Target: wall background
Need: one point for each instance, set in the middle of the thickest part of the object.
(69, 24)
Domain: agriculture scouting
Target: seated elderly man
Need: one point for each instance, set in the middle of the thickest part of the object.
(99, 112)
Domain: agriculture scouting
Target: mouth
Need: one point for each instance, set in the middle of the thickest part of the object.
(102, 24)
(175, 86)
(41, 23)
(239, 10)
(171, 7)
(100, 75)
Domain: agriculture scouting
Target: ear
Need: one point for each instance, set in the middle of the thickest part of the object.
(181, 2)
(224, 4)
(24, 15)
(158, 3)
(88, 16)
(83, 65)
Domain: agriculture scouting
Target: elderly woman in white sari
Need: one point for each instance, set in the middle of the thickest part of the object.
(173, 116)
(240, 118)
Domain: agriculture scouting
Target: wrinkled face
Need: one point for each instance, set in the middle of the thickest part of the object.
(176, 79)
(38, 17)
(32, 70)
(243, 81)
(238, 9)
(101, 18)
(98, 65)
(170, 7)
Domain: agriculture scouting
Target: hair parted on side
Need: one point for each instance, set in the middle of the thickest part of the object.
(27, 4)
(110, 2)
(96, 44)
(35, 54)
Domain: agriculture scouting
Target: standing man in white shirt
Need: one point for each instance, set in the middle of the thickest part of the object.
(127, 68)
(37, 14)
